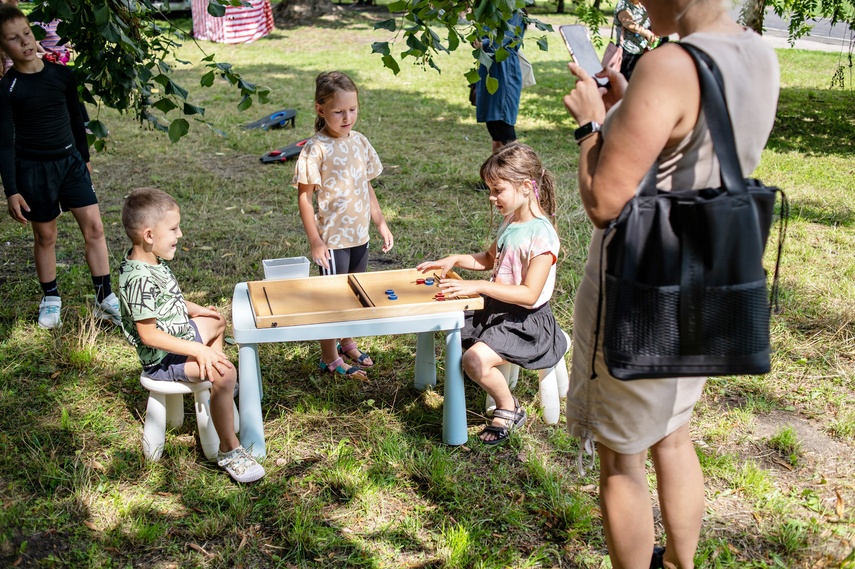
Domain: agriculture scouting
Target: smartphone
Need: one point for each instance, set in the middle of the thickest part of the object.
(582, 51)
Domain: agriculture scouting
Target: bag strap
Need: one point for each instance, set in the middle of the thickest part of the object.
(718, 121)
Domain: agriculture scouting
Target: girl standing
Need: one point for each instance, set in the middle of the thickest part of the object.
(516, 324)
(338, 164)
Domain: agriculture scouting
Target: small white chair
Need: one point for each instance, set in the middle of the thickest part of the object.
(554, 384)
(166, 409)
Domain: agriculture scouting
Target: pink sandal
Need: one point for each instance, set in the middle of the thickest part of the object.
(359, 360)
(337, 367)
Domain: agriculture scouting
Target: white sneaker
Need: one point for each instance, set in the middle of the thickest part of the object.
(240, 465)
(49, 312)
(108, 309)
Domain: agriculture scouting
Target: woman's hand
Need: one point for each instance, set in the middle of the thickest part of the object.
(588, 101)
(444, 265)
(321, 255)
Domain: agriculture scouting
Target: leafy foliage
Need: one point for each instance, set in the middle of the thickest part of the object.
(124, 61)
(461, 22)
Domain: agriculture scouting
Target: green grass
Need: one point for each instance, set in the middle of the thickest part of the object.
(357, 473)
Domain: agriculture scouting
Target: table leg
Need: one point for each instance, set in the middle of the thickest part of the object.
(425, 361)
(454, 404)
(251, 423)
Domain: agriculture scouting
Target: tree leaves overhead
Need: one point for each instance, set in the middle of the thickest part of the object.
(124, 60)
(428, 27)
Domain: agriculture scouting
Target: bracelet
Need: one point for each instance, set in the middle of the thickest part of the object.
(586, 130)
(586, 137)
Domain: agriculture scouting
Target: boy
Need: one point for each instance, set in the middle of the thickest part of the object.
(44, 164)
(175, 339)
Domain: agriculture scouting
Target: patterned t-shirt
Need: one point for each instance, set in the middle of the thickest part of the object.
(632, 42)
(340, 169)
(519, 243)
(151, 291)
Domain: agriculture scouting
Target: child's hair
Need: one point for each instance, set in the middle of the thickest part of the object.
(327, 84)
(8, 13)
(516, 163)
(145, 207)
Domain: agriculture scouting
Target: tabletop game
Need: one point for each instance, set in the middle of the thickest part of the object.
(357, 296)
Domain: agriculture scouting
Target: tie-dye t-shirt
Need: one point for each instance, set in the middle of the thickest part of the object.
(340, 169)
(151, 291)
(519, 243)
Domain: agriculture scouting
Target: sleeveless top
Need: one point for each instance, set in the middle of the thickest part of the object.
(630, 416)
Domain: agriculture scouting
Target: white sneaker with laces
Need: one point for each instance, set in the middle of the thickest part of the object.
(49, 312)
(108, 309)
(240, 465)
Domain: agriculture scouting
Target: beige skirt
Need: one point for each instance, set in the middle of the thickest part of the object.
(626, 416)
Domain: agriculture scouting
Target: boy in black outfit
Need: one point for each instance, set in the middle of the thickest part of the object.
(44, 166)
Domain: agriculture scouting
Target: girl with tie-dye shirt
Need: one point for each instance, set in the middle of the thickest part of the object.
(516, 324)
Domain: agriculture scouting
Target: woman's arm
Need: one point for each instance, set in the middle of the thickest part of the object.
(659, 109)
(627, 21)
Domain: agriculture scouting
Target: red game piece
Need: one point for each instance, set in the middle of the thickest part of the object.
(420, 281)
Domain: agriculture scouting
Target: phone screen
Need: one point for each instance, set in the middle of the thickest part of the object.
(582, 50)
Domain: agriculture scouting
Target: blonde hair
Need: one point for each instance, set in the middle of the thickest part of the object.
(327, 84)
(145, 207)
(516, 163)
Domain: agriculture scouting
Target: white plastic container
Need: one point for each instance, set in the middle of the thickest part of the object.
(287, 268)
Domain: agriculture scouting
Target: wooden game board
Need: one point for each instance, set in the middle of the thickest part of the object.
(339, 298)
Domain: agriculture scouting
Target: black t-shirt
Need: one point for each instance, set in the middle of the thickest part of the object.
(40, 119)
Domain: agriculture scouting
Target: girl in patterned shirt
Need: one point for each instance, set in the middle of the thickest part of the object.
(338, 164)
(516, 324)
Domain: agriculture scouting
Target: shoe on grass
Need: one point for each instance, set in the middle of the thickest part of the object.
(49, 312)
(108, 309)
(240, 465)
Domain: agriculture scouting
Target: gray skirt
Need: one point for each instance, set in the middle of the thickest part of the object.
(528, 337)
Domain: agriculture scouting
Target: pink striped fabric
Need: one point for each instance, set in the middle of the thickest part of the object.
(241, 24)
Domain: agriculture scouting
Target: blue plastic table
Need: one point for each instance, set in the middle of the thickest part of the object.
(248, 337)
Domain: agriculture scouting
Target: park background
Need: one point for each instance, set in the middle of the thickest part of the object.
(357, 473)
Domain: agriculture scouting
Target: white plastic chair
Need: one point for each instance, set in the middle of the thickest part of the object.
(554, 384)
(165, 408)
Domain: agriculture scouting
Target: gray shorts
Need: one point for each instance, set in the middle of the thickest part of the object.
(171, 368)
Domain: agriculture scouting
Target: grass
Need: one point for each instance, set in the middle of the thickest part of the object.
(357, 473)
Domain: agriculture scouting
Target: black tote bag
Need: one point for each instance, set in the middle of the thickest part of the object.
(685, 287)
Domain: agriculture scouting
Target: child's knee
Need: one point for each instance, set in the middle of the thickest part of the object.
(93, 230)
(472, 364)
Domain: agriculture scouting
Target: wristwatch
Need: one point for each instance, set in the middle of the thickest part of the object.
(586, 130)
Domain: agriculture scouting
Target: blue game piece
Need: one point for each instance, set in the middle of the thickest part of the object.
(393, 297)
(390, 291)
(429, 282)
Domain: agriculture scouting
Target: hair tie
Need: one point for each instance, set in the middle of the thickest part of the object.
(536, 193)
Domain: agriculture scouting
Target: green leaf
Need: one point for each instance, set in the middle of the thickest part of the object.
(381, 47)
(398, 6)
(216, 10)
(177, 129)
(543, 44)
(390, 62)
(99, 145)
(97, 128)
(207, 79)
(472, 76)
(165, 105)
(492, 85)
(390, 25)
(173, 88)
(193, 110)
(245, 103)
(501, 55)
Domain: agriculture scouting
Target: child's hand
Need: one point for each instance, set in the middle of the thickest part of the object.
(209, 360)
(15, 204)
(444, 265)
(388, 240)
(456, 287)
(321, 255)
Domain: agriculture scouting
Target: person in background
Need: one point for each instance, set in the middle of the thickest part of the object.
(655, 120)
(633, 29)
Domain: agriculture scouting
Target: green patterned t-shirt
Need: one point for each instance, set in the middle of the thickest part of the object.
(151, 291)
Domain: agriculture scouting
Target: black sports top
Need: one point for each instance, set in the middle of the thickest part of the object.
(40, 119)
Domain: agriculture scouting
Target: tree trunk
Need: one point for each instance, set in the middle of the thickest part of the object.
(559, 8)
(752, 14)
(596, 4)
(296, 12)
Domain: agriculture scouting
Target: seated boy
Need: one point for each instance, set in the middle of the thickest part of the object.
(175, 339)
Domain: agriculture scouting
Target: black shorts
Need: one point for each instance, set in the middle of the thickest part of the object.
(348, 260)
(50, 188)
(500, 131)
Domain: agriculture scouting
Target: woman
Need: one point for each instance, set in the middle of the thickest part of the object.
(499, 110)
(633, 30)
(655, 119)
